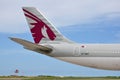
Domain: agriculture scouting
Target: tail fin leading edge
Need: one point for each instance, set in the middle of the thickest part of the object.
(41, 29)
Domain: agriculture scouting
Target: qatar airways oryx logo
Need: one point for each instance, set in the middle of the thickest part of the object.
(40, 30)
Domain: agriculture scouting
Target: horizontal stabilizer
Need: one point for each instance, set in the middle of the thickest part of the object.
(32, 46)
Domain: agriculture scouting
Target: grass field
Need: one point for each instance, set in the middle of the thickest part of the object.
(56, 78)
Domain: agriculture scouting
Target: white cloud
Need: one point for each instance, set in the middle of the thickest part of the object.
(61, 13)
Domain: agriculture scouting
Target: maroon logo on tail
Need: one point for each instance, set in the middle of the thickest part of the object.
(40, 29)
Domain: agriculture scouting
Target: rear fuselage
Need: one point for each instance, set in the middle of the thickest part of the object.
(101, 56)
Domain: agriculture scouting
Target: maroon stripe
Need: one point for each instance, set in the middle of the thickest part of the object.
(32, 15)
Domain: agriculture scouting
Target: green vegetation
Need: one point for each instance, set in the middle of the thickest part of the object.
(73, 78)
(56, 78)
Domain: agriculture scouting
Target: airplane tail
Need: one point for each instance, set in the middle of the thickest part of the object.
(42, 30)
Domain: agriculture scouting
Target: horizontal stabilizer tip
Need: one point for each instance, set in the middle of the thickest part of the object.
(32, 46)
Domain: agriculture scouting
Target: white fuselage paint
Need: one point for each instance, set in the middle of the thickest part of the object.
(101, 56)
(52, 43)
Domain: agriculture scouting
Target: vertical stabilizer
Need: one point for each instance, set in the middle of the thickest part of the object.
(41, 29)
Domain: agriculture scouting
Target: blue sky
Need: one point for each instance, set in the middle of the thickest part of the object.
(83, 21)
